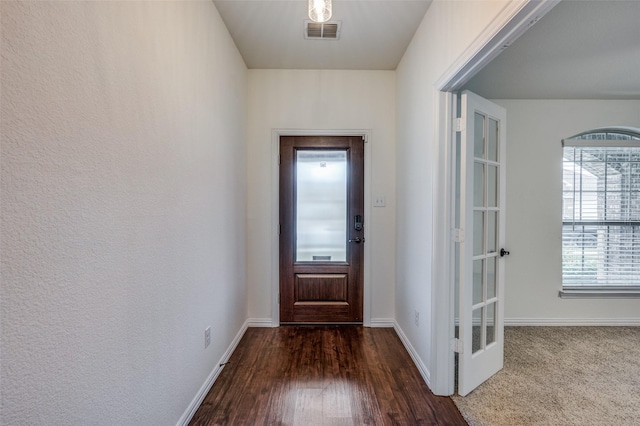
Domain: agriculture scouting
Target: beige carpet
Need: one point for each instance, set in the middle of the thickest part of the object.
(561, 376)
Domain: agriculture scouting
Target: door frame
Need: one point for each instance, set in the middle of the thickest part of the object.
(275, 214)
(513, 21)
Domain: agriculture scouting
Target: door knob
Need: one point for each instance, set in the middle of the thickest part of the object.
(504, 253)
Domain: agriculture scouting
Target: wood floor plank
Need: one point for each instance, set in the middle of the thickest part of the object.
(322, 375)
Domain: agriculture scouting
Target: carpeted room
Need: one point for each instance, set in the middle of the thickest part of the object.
(561, 376)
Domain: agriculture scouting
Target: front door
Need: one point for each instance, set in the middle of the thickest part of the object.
(321, 229)
(481, 238)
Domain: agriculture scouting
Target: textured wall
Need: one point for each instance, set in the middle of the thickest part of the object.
(123, 208)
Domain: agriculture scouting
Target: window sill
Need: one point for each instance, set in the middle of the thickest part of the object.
(600, 293)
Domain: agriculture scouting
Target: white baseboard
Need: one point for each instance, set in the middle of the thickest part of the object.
(570, 322)
(193, 407)
(382, 322)
(424, 372)
(260, 322)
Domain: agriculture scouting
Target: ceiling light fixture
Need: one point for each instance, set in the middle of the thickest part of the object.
(319, 10)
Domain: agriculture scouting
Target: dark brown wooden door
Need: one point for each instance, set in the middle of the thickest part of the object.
(321, 228)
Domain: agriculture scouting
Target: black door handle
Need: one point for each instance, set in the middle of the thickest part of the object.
(504, 253)
(357, 240)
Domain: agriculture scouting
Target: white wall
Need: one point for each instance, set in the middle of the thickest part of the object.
(535, 129)
(123, 208)
(320, 100)
(447, 29)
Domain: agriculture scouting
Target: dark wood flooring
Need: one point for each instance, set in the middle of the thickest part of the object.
(323, 375)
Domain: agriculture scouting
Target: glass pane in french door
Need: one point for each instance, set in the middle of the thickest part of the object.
(491, 277)
(492, 231)
(478, 184)
(492, 186)
(478, 233)
(491, 324)
(492, 140)
(478, 280)
(478, 130)
(477, 320)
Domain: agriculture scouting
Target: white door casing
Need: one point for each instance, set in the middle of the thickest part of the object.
(482, 219)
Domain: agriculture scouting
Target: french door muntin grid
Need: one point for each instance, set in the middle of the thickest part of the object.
(599, 252)
(486, 227)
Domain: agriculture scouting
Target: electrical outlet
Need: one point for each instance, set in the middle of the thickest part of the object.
(207, 337)
(417, 318)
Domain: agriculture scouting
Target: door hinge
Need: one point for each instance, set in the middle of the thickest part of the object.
(458, 235)
(280, 229)
(459, 124)
(457, 346)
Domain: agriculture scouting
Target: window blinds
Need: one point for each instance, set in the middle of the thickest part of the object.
(601, 212)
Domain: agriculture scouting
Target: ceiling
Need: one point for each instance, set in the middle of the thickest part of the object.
(581, 49)
(373, 36)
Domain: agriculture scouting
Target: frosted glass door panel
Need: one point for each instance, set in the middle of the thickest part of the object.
(321, 206)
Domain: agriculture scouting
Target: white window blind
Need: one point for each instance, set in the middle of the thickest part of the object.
(601, 210)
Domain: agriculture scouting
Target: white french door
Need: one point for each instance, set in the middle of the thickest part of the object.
(481, 240)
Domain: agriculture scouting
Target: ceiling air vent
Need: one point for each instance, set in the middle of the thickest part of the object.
(322, 31)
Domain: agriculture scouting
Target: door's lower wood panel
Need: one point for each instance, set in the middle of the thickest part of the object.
(321, 288)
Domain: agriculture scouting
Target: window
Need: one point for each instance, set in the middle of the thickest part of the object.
(601, 213)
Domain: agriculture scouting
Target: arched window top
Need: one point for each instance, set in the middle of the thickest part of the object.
(609, 134)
